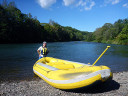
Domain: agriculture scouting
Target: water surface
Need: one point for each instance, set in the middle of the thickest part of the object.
(17, 60)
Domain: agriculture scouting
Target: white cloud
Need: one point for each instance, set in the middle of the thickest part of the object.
(68, 2)
(113, 2)
(90, 6)
(125, 5)
(86, 4)
(81, 3)
(46, 3)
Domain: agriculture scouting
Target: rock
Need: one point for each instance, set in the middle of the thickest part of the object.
(116, 87)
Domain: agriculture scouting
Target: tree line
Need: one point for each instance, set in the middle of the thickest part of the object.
(116, 33)
(17, 27)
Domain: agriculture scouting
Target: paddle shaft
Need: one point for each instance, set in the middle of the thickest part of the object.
(101, 55)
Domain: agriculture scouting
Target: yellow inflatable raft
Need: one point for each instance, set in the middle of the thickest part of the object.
(65, 74)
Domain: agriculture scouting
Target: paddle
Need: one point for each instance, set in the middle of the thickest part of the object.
(101, 55)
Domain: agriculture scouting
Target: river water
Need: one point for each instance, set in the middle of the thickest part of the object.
(17, 60)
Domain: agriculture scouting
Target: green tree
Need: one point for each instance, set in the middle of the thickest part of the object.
(123, 36)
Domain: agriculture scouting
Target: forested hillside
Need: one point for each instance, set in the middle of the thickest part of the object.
(116, 33)
(17, 27)
(52, 31)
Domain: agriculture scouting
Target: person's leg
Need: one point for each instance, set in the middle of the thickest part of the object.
(40, 57)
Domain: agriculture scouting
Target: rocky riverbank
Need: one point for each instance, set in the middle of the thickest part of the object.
(116, 87)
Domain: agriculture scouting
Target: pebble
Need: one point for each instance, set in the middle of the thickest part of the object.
(116, 87)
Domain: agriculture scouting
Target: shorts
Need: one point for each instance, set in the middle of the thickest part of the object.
(42, 56)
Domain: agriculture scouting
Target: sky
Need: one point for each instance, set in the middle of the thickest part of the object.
(84, 15)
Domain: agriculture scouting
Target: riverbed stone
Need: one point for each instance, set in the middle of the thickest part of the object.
(116, 87)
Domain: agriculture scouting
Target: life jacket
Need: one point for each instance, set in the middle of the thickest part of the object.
(43, 51)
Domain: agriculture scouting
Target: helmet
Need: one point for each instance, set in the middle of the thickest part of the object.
(44, 42)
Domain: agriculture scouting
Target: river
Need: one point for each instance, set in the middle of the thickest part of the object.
(17, 60)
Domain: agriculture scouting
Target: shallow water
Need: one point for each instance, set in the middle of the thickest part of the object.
(16, 60)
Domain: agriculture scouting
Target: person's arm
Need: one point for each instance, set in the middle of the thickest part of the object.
(38, 52)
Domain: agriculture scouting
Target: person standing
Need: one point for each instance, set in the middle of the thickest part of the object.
(42, 50)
